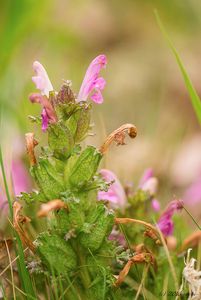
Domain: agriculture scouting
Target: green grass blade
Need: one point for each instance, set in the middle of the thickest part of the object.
(195, 99)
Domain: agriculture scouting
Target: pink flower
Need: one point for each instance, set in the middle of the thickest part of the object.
(17, 183)
(48, 113)
(165, 222)
(43, 83)
(41, 79)
(149, 183)
(92, 82)
(115, 194)
(20, 178)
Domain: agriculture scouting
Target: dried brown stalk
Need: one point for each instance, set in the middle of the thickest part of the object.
(31, 143)
(118, 136)
(18, 221)
(144, 257)
(129, 220)
(51, 205)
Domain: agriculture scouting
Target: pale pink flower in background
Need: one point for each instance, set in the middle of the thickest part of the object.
(148, 173)
(149, 183)
(18, 181)
(92, 82)
(155, 204)
(41, 79)
(20, 177)
(192, 195)
(165, 222)
(186, 167)
(115, 194)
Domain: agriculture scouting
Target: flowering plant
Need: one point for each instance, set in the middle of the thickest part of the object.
(93, 230)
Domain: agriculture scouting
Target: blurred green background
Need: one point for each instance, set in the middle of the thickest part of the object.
(144, 84)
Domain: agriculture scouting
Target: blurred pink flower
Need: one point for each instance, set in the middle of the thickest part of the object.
(165, 222)
(19, 182)
(149, 183)
(20, 178)
(92, 82)
(115, 194)
(41, 79)
(192, 195)
(148, 173)
(155, 205)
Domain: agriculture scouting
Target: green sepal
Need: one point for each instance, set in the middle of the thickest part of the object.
(56, 253)
(100, 223)
(79, 123)
(84, 167)
(74, 219)
(32, 197)
(48, 179)
(60, 140)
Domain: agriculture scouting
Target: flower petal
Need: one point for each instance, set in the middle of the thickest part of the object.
(115, 194)
(91, 78)
(41, 79)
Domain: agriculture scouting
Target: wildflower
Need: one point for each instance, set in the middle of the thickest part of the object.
(165, 222)
(48, 113)
(19, 182)
(149, 183)
(43, 83)
(155, 204)
(115, 194)
(92, 82)
(41, 79)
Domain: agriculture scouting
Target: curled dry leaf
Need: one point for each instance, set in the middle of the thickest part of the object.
(31, 143)
(118, 136)
(50, 206)
(153, 235)
(18, 221)
(145, 257)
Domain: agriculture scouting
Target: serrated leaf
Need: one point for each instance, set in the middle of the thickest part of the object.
(48, 179)
(101, 221)
(85, 167)
(56, 253)
(60, 140)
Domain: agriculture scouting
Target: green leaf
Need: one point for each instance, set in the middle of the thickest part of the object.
(84, 167)
(195, 99)
(60, 140)
(32, 197)
(56, 253)
(48, 179)
(79, 123)
(100, 221)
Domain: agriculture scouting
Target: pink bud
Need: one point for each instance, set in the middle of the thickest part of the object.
(165, 222)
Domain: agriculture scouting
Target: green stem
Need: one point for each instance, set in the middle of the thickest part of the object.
(5, 184)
